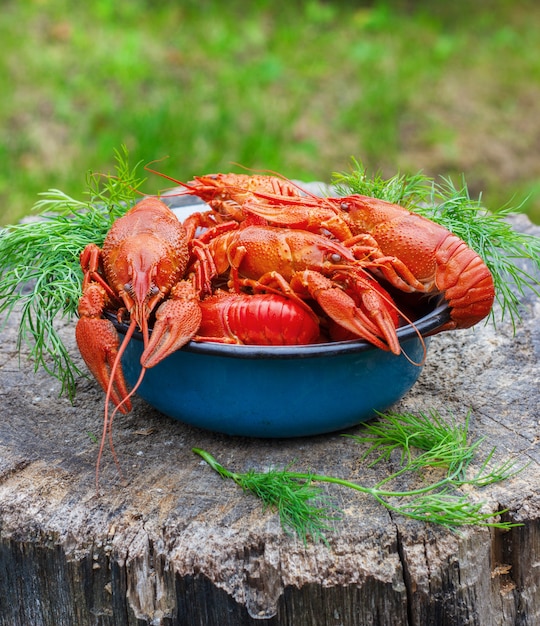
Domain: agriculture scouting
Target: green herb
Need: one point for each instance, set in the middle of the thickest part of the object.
(425, 443)
(444, 443)
(302, 506)
(92, 437)
(39, 267)
(488, 233)
(405, 190)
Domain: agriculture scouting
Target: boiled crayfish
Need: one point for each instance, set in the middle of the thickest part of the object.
(265, 319)
(408, 251)
(137, 273)
(226, 194)
(302, 266)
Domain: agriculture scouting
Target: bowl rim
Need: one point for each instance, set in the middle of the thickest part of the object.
(427, 325)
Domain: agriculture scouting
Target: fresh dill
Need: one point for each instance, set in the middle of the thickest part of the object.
(39, 268)
(489, 233)
(443, 443)
(302, 507)
(425, 442)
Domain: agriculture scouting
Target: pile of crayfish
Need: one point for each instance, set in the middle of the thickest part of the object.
(268, 264)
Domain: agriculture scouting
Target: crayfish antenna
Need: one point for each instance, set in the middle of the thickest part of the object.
(178, 183)
(110, 422)
(422, 342)
(282, 177)
(107, 420)
(418, 334)
(420, 337)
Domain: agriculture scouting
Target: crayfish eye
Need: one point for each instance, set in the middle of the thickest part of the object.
(345, 206)
(154, 290)
(335, 258)
(128, 288)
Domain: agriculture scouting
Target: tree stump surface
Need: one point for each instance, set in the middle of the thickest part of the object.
(174, 544)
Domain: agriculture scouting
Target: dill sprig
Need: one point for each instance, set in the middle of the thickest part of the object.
(302, 507)
(489, 233)
(444, 443)
(40, 273)
(424, 442)
(407, 190)
(450, 510)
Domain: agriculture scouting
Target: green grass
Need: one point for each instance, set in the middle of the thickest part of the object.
(297, 86)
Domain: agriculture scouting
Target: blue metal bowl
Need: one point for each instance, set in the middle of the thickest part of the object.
(282, 391)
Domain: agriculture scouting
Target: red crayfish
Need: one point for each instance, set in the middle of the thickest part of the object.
(138, 272)
(409, 251)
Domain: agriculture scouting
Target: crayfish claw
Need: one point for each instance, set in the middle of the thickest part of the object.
(177, 321)
(99, 344)
(364, 313)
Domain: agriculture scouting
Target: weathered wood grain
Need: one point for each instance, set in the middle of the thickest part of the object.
(173, 544)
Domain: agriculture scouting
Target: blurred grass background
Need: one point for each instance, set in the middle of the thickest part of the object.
(296, 86)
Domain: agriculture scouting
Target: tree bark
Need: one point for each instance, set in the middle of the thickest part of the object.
(171, 543)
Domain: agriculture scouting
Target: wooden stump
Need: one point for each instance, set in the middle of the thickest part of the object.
(176, 545)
